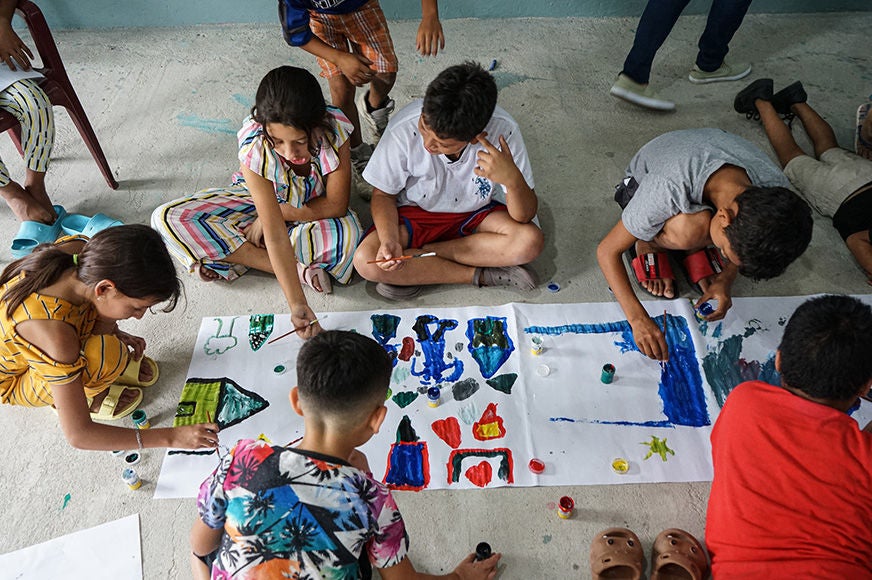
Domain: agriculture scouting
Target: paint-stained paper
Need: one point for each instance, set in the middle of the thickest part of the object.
(499, 403)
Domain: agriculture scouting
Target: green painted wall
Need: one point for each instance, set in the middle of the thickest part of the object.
(114, 13)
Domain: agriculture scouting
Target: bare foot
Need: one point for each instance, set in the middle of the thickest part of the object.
(146, 370)
(308, 277)
(663, 287)
(207, 275)
(124, 400)
(24, 206)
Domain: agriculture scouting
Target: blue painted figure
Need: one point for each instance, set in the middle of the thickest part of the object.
(433, 347)
(489, 343)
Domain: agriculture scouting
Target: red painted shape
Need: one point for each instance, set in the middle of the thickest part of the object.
(408, 348)
(448, 430)
(480, 474)
(490, 425)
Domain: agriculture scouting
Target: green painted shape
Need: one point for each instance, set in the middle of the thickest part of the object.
(260, 326)
(504, 382)
(199, 396)
(405, 398)
(400, 374)
(238, 404)
(657, 446)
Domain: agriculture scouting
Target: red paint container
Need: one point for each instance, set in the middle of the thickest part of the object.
(565, 507)
(537, 466)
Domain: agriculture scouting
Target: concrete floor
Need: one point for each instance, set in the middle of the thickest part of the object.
(166, 104)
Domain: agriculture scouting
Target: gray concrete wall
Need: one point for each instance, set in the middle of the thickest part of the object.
(113, 13)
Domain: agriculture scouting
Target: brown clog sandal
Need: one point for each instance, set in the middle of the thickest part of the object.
(677, 555)
(617, 553)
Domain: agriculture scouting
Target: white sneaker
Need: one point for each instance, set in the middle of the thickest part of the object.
(726, 72)
(377, 121)
(629, 90)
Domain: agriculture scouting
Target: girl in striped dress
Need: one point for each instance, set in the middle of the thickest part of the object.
(61, 345)
(287, 212)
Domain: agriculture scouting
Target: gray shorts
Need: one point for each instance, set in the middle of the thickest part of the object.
(825, 184)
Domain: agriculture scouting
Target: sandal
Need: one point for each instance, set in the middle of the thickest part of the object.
(677, 555)
(309, 274)
(110, 402)
(648, 267)
(76, 224)
(616, 553)
(130, 376)
(31, 234)
(862, 147)
(702, 264)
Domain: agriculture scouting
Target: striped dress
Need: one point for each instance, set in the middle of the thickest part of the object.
(27, 374)
(204, 228)
(28, 103)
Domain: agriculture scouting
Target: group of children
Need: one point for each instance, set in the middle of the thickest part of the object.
(453, 185)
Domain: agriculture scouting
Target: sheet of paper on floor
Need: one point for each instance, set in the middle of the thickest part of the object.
(110, 551)
(500, 403)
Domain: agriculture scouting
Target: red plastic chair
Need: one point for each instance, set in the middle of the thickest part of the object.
(57, 86)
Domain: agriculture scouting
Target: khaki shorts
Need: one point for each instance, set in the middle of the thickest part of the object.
(363, 31)
(825, 184)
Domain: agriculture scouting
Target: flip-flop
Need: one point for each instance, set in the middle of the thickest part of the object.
(616, 553)
(308, 275)
(31, 234)
(677, 555)
(78, 224)
(862, 147)
(648, 267)
(110, 402)
(702, 264)
(130, 376)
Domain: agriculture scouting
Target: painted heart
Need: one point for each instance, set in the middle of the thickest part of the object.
(448, 430)
(480, 474)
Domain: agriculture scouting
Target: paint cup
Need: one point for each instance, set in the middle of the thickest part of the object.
(140, 419)
(536, 345)
(565, 507)
(482, 551)
(433, 394)
(118, 452)
(537, 466)
(131, 479)
(553, 287)
(608, 373)
(705, 309)
(132, 458)
(543, 370)
(620, 465)
(279, 369)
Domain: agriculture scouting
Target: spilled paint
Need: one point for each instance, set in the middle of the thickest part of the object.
(243, 100)
(67, 499)
(680, 388)
(489, 343)
(430, 331)
(213, 126)
(464, 389)
(503, 383)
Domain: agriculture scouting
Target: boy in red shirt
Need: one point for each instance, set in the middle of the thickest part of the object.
(792, 490)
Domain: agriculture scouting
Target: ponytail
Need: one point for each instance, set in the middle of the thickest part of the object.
(42, 267)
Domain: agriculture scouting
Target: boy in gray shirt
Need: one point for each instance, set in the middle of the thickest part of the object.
(688, 190)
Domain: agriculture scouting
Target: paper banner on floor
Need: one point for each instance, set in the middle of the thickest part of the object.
(107, 552)
(500, 403)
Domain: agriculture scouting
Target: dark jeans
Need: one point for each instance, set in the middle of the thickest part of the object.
(724, 19)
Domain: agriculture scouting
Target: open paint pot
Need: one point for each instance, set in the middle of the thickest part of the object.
(565, 507)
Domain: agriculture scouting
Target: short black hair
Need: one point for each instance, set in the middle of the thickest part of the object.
(826, 350)
(772, 228)
(460, 101)
(340, 373)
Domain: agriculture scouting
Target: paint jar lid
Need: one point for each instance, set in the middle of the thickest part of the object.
(543, 370)
(566, 503)
(132, 458)
(128, 474)
(620, 465)
(483, 551)
(433, 393)
(536, 465)
(554, 287)
(279, 369)
(138, 415)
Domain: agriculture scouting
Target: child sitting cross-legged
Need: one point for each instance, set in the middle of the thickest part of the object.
(310, 511)
(791, 495)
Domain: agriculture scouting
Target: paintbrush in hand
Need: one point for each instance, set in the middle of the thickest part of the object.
(665, 339)
(305, 326)
(400, 258)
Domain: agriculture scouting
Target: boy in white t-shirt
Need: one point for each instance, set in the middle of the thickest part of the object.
(435, 174)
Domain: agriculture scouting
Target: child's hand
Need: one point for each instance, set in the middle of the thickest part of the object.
(649, 339)
(358, 459)
(430, 37)
(254, 233)
(498, 165)
(13, 50)
(301, 318)
(356, 68)
(469, 569)
(195, 436)
(135, 342)
(387, 251)
(718, 290)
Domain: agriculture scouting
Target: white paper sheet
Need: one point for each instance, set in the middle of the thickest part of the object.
(110, 551)
(566, 416)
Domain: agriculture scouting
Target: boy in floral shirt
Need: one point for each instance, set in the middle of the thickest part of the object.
(310, 511)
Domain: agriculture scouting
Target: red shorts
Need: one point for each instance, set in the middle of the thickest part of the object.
(426, 226)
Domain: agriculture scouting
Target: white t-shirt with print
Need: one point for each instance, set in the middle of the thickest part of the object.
(401, 166)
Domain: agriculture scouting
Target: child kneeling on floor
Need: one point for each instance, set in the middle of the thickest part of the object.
(61, 343)
(791, 495)
(310, 511)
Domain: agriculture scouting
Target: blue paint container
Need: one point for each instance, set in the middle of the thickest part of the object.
(131, 478)
(608, 373)
(433, 395)
(705, 309)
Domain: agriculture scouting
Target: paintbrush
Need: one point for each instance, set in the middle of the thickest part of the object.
(305, 326)
(665, 338)
(425, 255)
